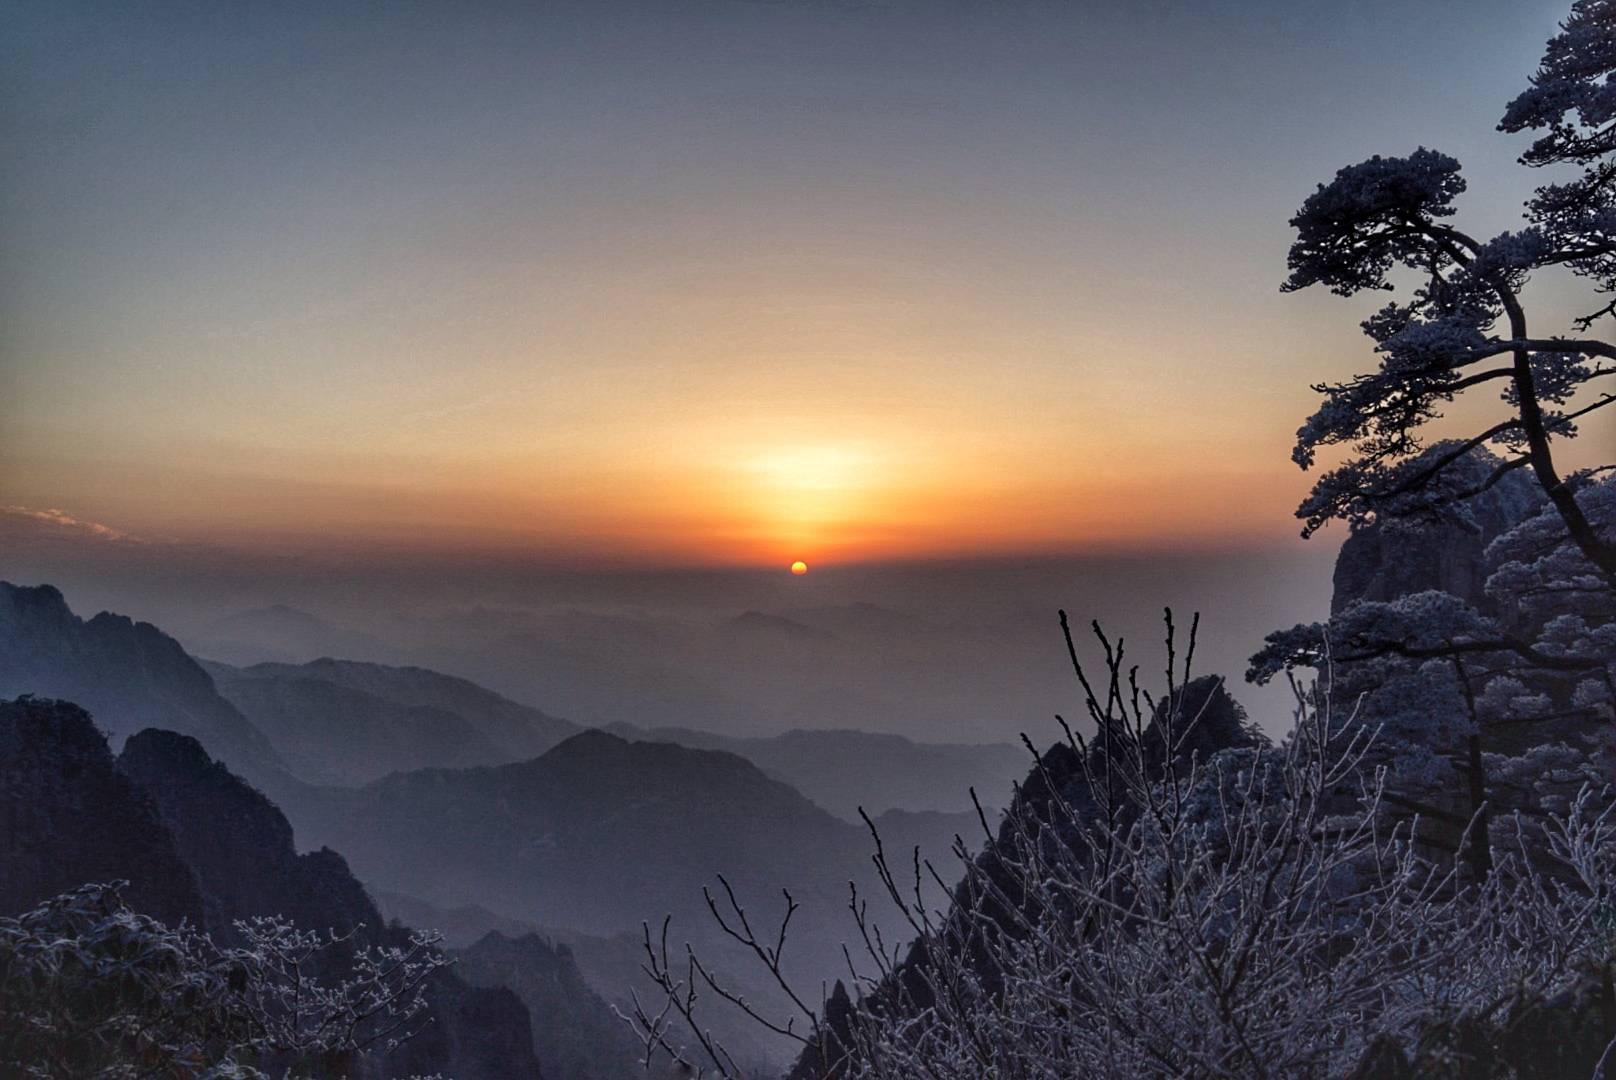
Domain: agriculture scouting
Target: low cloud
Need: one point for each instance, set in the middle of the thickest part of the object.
(61, 521)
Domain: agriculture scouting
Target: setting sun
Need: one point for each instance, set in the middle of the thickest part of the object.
(799, 568)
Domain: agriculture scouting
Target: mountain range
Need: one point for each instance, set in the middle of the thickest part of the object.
(435, 788)
(128, 674)
(346, 722)
(844, 770)
(600, 833)
(198, 844)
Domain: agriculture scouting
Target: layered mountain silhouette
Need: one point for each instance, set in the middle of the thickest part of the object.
(434, 787)
(345, 722)
(599, 833)
(197, 843)
(129, 675)
(844, 770)
(280, 632)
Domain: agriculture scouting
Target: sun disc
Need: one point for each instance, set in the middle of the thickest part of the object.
(799, 568)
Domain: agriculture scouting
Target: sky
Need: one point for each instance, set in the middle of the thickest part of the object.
(701, 283)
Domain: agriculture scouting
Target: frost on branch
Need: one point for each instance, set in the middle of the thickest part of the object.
(1242, 912)
(90, 988)
(1573, 103)
(1352, 231)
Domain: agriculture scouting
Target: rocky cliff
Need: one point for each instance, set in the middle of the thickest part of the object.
(68, 817)
(1445, 551)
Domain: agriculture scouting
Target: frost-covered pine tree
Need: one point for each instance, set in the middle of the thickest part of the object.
(1478, 713)
(1464, 324)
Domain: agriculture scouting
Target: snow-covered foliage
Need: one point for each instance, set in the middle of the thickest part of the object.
(1477, 715)
(1572, 102)
(1250, 913)
(1480, 716)
(89, 988)
(1539, 573)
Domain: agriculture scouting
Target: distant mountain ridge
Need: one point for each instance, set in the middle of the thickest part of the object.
(600, 834)
(128, 674)
(283, 633)
(592, 835)
(330, 734)
(521, 730)
(845, 769)
(347, 722)
(750, 624)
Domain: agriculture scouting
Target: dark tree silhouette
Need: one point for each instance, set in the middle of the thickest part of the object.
(1465, 324)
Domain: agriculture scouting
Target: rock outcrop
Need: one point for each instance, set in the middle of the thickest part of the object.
(239, 844)
(1394, 558)
(69, 817)
(581, 1039)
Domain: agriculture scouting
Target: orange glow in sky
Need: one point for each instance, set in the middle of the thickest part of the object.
(714, 284)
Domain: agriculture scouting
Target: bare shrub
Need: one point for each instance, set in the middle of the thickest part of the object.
(1150, 910)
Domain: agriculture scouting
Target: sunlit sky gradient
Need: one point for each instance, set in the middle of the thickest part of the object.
(701, 281)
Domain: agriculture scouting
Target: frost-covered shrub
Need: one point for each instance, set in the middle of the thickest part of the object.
(1477, 713)
(89, 988)
(1250, 913)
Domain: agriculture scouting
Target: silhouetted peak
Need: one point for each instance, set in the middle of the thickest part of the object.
(111, 620)
(1206, 719)
(150, 638)
(31, 726)
(179, 752)
(69, 816)
(655, 762)
(589, 742)
(190, 785)
(35, 597)
(1058, 768)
